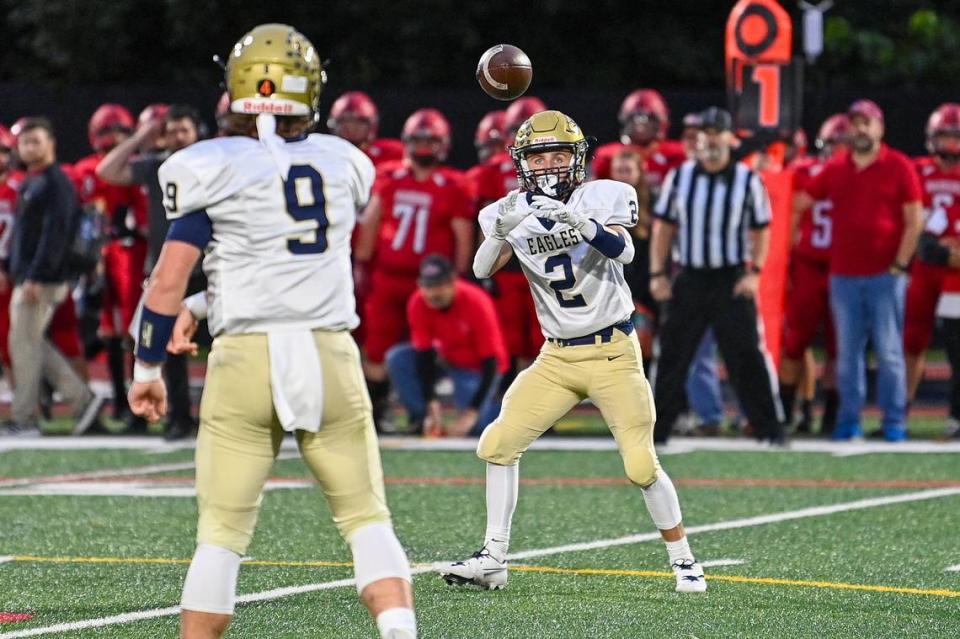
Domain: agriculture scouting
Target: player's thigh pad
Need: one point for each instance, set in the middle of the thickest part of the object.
(238, 440)
(540, 395)
(343, 455)
(620, 390)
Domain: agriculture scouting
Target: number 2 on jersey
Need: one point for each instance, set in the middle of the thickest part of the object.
(303, 192)
(559, 286)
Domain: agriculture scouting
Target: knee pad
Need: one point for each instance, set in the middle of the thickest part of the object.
(211, 583)
(662, 503)
(377, 554)
(640, 464)
(494, 448)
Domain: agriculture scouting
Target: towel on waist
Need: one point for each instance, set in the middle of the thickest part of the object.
(296, 379)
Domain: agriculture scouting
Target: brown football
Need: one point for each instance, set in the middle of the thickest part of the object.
(504, 72)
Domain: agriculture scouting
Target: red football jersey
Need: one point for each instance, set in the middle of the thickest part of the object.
(658, 160)
(416, 217)
(464, 334)
(8, 207)
(125, 207)
(493, 179)
(815, 228)
(867, 209)
(941, 208)
(384, 150)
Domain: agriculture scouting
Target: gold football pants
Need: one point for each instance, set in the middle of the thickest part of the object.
(610, 374)
(240, 436)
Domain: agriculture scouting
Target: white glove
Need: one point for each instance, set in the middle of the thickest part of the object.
(508, 217)
(558, 212)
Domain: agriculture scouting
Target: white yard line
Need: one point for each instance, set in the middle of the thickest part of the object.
(277, 593)
(747, 522)
(129, 471)
(677, 445)
(953, 568)
(718, 563)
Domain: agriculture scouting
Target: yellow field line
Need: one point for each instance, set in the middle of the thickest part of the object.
(767, 581)
(611, 572)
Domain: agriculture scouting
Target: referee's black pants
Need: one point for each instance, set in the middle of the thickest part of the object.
(702, 298)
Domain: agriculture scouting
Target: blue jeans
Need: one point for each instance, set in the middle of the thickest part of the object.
(401, 361)
(704, 395)
(870, 308)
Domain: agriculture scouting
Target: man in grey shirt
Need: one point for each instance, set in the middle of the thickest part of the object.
(161, 132)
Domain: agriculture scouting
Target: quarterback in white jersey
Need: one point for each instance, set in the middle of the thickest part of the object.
(272, 209)
(572, 242)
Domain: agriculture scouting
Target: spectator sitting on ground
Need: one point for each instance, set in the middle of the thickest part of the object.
(455, 322)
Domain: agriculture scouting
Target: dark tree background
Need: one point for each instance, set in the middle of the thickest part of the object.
(64, 56)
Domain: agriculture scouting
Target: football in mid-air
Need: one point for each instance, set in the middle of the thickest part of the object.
(504, 72)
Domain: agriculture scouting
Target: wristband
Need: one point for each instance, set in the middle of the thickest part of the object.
(654, 276)
(146, 374)
(154, 333)
(898, 267)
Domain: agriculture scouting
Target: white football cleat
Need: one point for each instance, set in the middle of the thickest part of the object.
(482, 569)
(689, 575)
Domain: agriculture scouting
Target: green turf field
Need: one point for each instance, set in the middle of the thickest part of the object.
(819, 546)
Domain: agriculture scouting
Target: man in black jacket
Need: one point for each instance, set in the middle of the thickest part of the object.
(43, 231)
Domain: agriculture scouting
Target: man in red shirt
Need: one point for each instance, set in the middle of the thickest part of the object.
(419, 208)
(877, 218)
(492, 179)
(808, 302)
(455, 322)
(354, 117)
(940, 178)
(644, 121)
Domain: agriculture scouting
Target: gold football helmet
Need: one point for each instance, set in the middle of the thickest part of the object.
(275, 69)
(550, 131)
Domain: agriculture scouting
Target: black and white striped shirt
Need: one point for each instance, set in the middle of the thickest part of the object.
(713, 213)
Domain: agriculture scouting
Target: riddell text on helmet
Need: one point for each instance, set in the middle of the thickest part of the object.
(250, 106)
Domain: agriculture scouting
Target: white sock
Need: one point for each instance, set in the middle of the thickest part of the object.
(401, 620)
(502, 488)
(662, 502)
(679, 550)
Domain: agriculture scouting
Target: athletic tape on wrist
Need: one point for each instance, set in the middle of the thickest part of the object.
(146, 374)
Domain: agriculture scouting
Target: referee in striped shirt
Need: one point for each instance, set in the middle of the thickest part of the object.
(717, 211)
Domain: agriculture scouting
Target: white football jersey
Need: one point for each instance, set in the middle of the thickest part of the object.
(280, 252)
(576, 289)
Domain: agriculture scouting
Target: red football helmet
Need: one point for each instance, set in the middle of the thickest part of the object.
(517, 113)
(105, 121)
(356, 105)
(425, 124)
(944, 121)
(7, 139)
(644, 117)
(156, 111)
(489, 136)
(835, 130)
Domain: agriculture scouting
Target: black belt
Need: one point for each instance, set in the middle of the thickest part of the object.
(605, 335)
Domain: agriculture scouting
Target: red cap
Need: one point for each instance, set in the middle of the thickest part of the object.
(866, 108)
